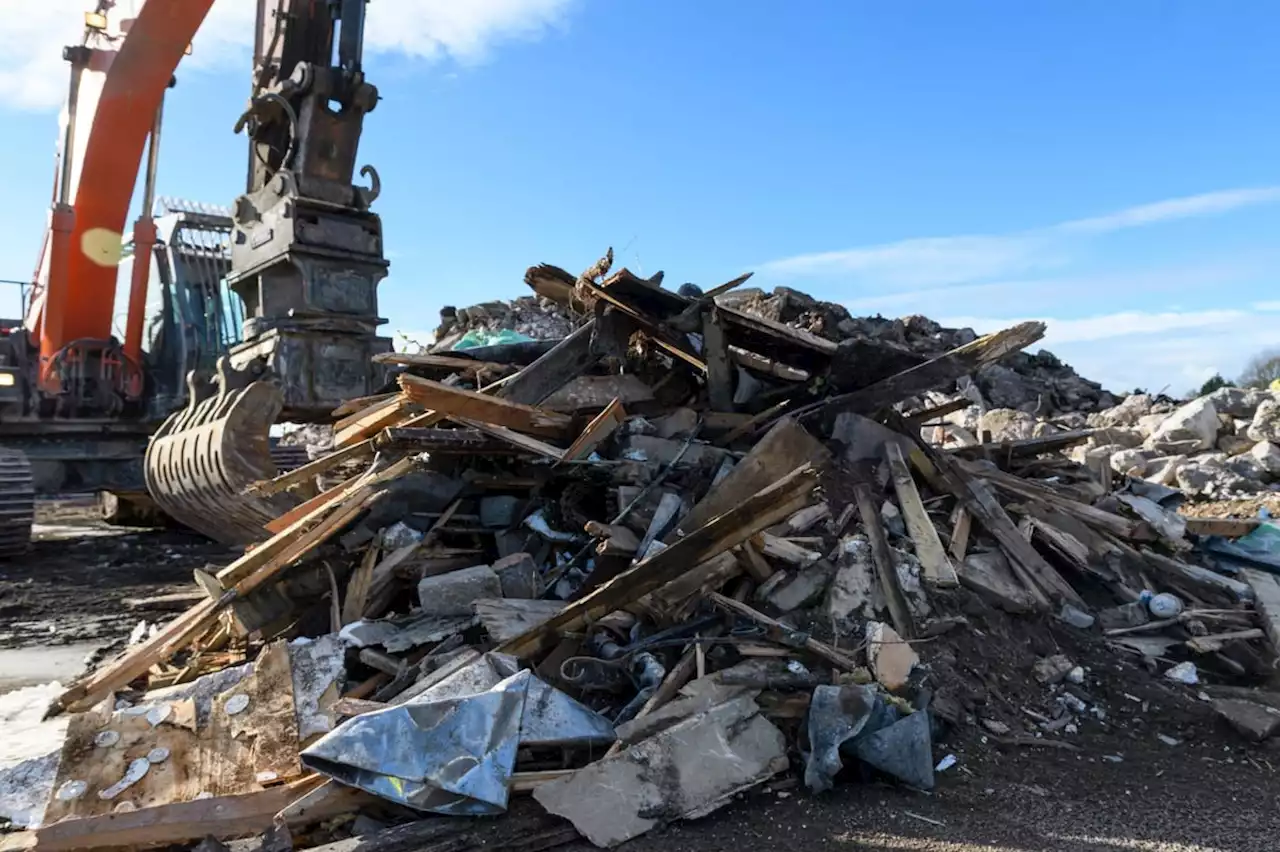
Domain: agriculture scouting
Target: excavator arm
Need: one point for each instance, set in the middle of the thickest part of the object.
(306, 252)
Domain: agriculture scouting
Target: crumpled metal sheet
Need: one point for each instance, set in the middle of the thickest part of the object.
(836, 714)
(452, 749)
(858, 721)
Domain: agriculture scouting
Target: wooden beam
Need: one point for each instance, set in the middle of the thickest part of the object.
(960, 533)
(818, 648)
(311, 469)
(1020, 487)
(938, 569)
(524, 442)
(444, 362)
(929, 375)
(597, 431)
(721, 533)
(719, 370)
(455, 402)
(1225, 527)
(568, 359)
(164, 825)
(886, 570)
(375, 418)
(1004, 451)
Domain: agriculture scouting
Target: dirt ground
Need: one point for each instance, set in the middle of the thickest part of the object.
(1149, 768)
(70, 587)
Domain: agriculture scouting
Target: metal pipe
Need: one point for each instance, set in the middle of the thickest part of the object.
(144, 242)
(79, 58)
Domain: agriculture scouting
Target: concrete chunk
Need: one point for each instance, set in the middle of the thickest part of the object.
(891, 658)
(519, 576)
(453, 593)
(684, 772)
(1196, 422)
(1255, 722)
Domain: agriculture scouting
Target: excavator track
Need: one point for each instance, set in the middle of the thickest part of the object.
(202, 459)
(17, 503)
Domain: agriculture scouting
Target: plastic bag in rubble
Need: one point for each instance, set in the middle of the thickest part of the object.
(478, 337)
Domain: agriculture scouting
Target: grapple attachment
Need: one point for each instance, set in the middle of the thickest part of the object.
(202, 459)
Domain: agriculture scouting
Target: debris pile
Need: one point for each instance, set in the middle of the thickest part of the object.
(677, 553)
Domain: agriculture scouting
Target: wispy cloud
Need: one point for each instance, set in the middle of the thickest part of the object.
(33, 75)
(939, 261)
(1193, 206)
(1151, 349)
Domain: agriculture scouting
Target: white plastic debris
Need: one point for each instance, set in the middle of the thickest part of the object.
(1165, 605)
(236, 704)
(1184, 673)
(158, 714)
(159, 754)
(136, 772)
(946, 763)
(71, 790)
(1076, 675)
(106, 739)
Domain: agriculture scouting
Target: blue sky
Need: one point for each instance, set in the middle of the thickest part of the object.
(1111, 168)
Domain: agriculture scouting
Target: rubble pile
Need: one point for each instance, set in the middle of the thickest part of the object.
(600, 583)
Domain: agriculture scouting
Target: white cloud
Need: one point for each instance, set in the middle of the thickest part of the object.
(33, 75)
(1167, 349)
(942, 261)
(1206, 204)
(925, 261)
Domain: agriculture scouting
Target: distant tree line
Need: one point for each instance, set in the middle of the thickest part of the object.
(1260, 372)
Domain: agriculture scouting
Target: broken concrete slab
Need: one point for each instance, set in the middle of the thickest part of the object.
(1255, 722)
(453, 593)
(684, 772)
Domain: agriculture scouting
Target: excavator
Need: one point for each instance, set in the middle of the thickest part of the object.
(180, 403)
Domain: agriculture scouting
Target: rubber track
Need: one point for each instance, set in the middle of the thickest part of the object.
(17, 503)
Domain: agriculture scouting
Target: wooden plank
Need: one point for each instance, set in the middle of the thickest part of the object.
(886, 570)
(768, 366)
(359, 585)
(1005, 451)
(472, 405)
(931, 374)
(1225, 527)
(440, 441)
(719, 370)
(818, 648)
(171, 601)
(1202, 578)
(771, 328)
(221, 816)
(925, 416)
(1090, 515)
(938, 569)
(568, 359)
(312, 469)
(960, 533)
(373, 420)
(523, 442)
(756, 566)
(723, 532)
(786, 446)
(360, 403)
(651, 327)
(444, 362)
(597, 431)
(1266, 601)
